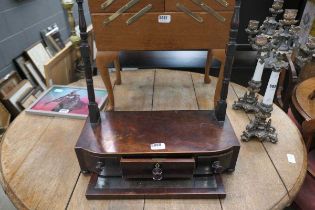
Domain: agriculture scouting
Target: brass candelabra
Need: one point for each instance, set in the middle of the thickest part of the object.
(279, 40)
(74, 38)
(263, 34)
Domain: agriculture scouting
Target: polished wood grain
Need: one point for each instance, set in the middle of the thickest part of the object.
(134, 168)
(301, 101)
(187, 133)
(170, 5)
(165, 189)
(147, 34)
(311, 162)
(306, 197)
(39, 166)
(95, 6)
(287, 80)
(157, 5)
(208, 66)
(308, 128)
(307, 71)
(103, 59)
(220, 55)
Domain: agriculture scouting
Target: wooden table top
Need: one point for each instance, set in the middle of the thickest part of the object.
(40, 170)
(304, 105)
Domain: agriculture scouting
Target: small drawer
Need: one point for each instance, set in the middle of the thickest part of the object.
(157, 168)
(108, 165)
(95, 6)
(170, 5)
(181, 33)
(206, 164)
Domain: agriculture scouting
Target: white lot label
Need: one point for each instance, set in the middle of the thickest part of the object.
(291, 158)
(64, 110)
(164, 19)
(157, 146)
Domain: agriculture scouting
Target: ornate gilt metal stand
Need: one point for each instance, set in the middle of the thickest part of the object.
(249, 101)
(261, 127)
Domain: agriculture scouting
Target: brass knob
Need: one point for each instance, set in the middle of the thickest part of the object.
(157, 173)
(100, 168)
(217, 168)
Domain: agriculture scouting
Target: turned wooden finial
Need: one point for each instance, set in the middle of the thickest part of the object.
(94, 112)
(220, 109)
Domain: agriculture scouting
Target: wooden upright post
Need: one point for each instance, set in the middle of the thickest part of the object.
(94, 112)
(220, 109)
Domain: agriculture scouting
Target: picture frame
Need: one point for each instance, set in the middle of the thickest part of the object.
(20, 63)
(37, 92)
(27, 100)
(52, 39)
(66, 101)
(10, 101)
(29, 66)
(8, 83)
(39, 57)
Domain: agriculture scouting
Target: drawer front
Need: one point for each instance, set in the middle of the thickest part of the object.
(95, 6)
(157, 168)
(214, 164)
(170, 5)
(108, 165)
(183, 32)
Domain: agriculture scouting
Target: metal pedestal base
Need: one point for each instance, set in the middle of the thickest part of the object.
(260, 127)
(249, 102)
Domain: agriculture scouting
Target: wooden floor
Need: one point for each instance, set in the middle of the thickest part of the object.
(40, 169)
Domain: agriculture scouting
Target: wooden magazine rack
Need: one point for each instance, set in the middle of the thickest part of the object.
(157, 154)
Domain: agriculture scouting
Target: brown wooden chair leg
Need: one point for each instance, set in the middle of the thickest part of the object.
(117, 69)
(207, 79)
(102, 61)
(220, 55)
